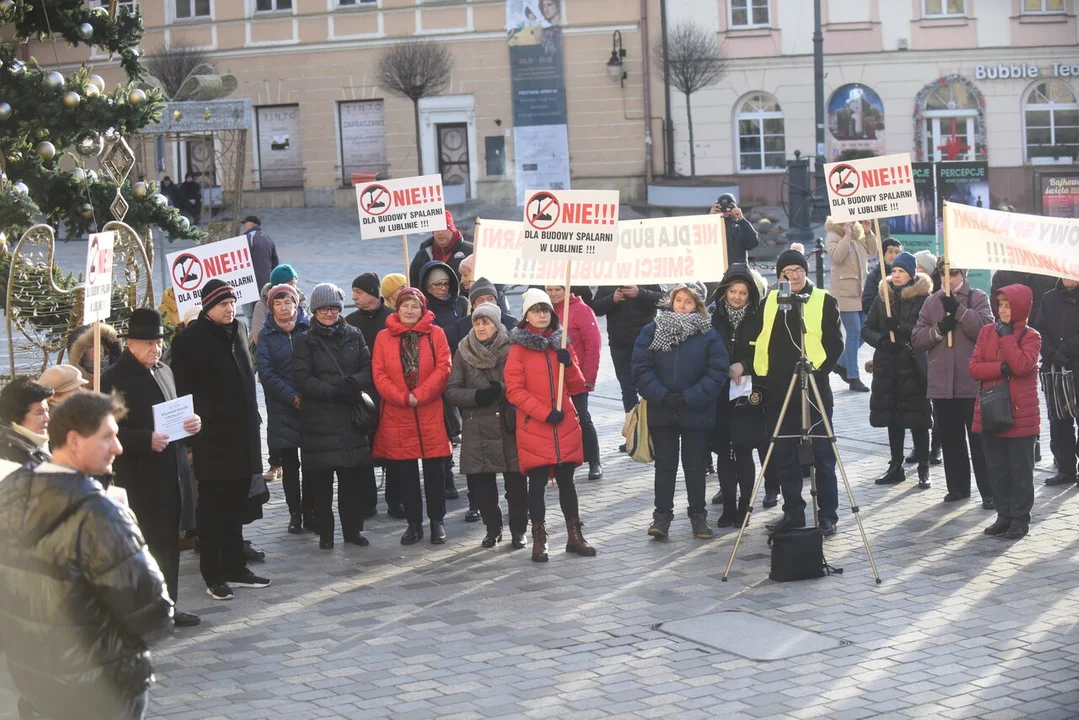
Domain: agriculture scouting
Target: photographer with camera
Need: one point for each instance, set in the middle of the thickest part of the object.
(776, 358)
(741, 236)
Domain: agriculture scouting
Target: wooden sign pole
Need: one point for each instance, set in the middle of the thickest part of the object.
(947, 272)
(883, 269)
(565, 336)
(404, 246)
(97, 357)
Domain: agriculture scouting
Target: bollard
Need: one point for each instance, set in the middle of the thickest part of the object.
(818, 253)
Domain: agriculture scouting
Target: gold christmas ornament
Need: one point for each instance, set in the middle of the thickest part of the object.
(137, 96)
(97, 81)
(72, 99)
(177, 116)
(90, 90)
(14, 157)
(41, 133)
(206, 114)
(53, 80)
(140, 190)
(86, 211)
(46, 150)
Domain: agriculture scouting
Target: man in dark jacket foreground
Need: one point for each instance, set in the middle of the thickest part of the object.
(80, 593)
(628, 308)
(1058, 322)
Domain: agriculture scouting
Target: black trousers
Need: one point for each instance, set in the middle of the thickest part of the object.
(485, 488)
(736, 477)
(219, 517)
(567, 492)
(350, 497)
(297, 493)
(166, 551)
(434, 488)
(896, 436)
(621, 356)
(1063, 442)
(771, 474)
(954, 420)
(694, 451)
(588, 428)
(392, 488)
(1011, 475)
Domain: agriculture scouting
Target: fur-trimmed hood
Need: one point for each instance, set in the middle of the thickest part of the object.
(922, 285)
(535, 341)
(83, 340)
(839, 228)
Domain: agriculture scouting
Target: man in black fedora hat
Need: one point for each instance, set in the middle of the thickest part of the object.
(149, 468)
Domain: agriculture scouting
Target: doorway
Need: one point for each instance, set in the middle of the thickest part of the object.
(950, 137)
(453, 161)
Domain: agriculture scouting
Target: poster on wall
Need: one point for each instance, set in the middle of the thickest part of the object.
(918, 230)
(1058, 194)
(280, 159)
(855, 121)
(965, 182)
(363, 137)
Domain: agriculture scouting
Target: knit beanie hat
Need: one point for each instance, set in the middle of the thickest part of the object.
(327, 295)
(411, 293)
(282, 289)
(469, 263)
(907, 262)
(534, 296)
(282, 274)
(391, 284)
(490, 311)
(890, 242)
(214, 292)
(927, 261)
(449, 222)
(479, 288)
(791, 257)
(369, 283)
(435, 274)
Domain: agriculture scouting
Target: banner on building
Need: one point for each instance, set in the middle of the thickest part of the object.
(652, 251)
(363, 137)
(279, 156)
(1058, 194)
(541, 139)
(855, 121)
(228, 260)
(401, 207)
(97, 300)
(995, 240)
(871, 188)
(571, 224)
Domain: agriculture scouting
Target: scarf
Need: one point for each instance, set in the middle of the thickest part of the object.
(672, 329)
(289, 326)
(410, 358)
(485, 355)
(736, 316)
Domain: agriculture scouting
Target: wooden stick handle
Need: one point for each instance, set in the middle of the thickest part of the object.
(565, 337)
(947, 279)
(886, 295)
(97, 357)
(404, 246)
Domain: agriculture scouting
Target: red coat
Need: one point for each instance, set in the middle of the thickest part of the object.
(585, 337)
(1022, 357)
(531, 378)
(410, 433)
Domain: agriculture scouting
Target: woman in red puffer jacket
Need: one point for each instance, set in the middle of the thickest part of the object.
(410, 365)
(1009, 350)
(548, 440)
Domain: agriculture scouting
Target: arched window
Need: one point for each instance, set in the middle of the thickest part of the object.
(949, 121)
(1051, 120)
(761, 143)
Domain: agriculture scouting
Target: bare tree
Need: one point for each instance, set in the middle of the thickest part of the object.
(693, 61)
(415, 69)
(174, 64)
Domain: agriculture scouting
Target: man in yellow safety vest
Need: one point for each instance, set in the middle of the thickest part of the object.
(776, 358)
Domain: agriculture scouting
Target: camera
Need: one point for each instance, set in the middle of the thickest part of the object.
(785, 299)
(726, 203)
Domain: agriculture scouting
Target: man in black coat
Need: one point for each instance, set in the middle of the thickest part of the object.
(448, 246)
(1058, 322)
(628, 308)
(211, 362)
(80, 594)
(741, 235)
(149, 469)
(263, 255)
(371, 310)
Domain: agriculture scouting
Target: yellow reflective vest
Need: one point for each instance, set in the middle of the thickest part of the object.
(814, 320)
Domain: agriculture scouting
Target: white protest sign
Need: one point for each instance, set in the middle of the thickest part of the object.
(654, 251)
(570, 224)
(97, 301)
(871, 188)
(227, 260)
(979, 238)
(400, 207)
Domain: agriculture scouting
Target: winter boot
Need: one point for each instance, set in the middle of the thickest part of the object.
(539, 542)
(895, 474)
(661, 524)
(295, 523)
(923, 477)
(935, 456)
(701, 531)
(575, 542)
(743, 510)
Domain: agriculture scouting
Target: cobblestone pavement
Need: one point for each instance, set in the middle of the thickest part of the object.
(962, 626)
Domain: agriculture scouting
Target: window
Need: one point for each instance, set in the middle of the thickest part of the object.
(761, 145)
(943, 8)
(749, 13)
(1042, 6)
(192, 8)
(357, 3)
(128, 5)
(1051, 116)
(272, 5)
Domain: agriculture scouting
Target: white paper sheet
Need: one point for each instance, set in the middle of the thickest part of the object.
(169, 417)
(743, 388)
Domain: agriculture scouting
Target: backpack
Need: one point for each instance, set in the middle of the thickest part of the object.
(635, 431)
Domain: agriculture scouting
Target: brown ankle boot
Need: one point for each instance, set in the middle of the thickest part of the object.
(576, 542)
(539, 542)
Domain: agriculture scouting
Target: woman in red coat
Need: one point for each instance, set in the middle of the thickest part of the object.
(1009, 351)
(585, 338)
(411, 365)
(548, 439)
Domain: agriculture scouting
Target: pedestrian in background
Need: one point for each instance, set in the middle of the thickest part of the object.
(392, 284)
(24, 412)
(64, 380)
(849, 244)
(446, 246)
(740, 233)
(1058, 323)
(263, 255)
(628, 308)
(891, 248)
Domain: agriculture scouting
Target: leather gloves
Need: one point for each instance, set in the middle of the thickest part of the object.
(950, 304)
(946, 325)
(564, 357)
(488, 395)
(1003, 329)
(554, 417)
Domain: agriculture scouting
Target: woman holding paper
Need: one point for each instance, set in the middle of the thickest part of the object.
(680, 367)
(549, 442)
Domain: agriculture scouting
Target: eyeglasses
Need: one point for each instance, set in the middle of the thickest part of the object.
(441, 284)
(795, 272)
(329, 311)
(955, 272)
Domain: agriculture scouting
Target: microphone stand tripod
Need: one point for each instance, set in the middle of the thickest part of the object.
(804, 380)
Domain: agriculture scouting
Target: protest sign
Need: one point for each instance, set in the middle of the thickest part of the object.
(654, 251)
(993, 240)
(871, 188)
(570, 224)
(227, 260)
(399, 207)
(97, 300)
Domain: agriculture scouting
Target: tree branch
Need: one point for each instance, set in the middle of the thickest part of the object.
(694, 58)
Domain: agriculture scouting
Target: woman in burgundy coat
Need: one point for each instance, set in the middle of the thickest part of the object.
(1009, 351)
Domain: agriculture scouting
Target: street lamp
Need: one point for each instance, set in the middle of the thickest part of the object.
(616, 69)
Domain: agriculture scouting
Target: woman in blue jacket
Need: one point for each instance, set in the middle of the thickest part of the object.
(680, 367)
(286, 323)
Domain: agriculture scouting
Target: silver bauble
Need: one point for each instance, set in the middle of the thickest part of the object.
(53, 80)
(5, 111)
(72, 99)
(185, 224)
(100, 11)
(21, 189)
(78, 175)
(91, 175)
(137, 96)
(86, 211)
(16, 67)
(159, 200)
(111, 135)
(46, 150)
(140, 190)
(89, 144)
(90, 90)
(97, 81)
(85, 31)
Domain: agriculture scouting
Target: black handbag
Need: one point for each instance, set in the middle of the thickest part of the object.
(364, 413)
(799, 555)
(996, 403)
(450, 416)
